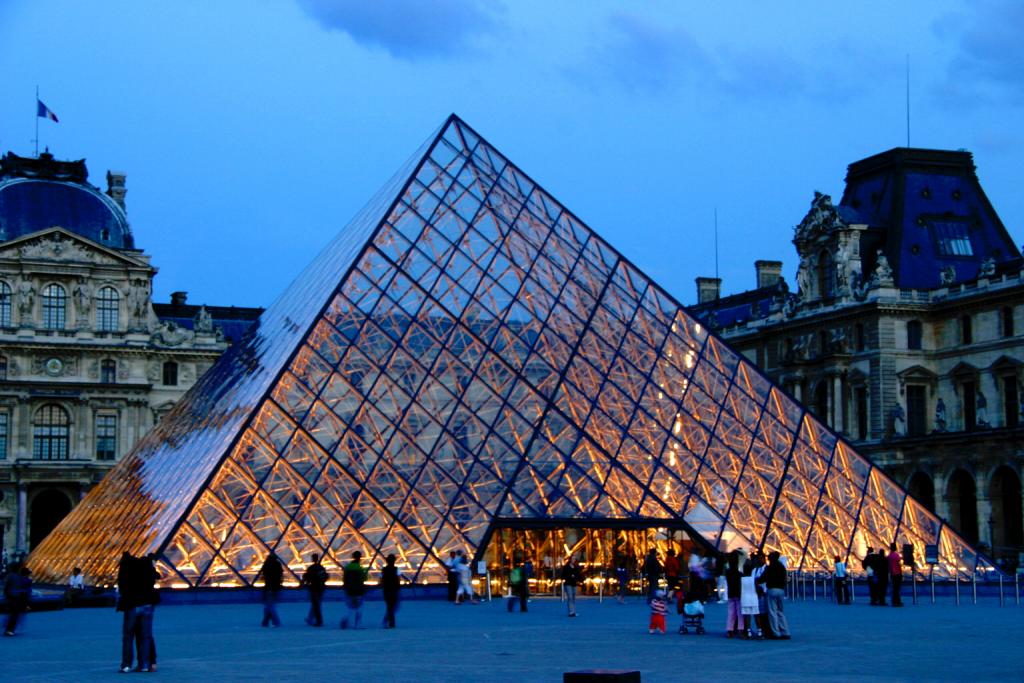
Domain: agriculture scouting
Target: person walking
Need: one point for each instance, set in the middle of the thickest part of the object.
(570, 579)
(389, 585)
(354, 578)
(652, 572)
(465, 574)
(733, 588)
(841, 585)
(149, 598)
(774, 580)
(895, 570)
(273, 574)
(749, 603)
(519, 587)
(622, 577)
(17, 592)
(659, 608)
(671, 570)
(453, 576)
(315, 580)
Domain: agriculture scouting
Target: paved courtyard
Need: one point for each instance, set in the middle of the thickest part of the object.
(436, 641)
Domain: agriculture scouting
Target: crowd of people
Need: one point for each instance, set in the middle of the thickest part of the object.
(752, 586)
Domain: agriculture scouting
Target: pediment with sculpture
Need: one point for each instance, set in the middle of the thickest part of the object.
(59, 245)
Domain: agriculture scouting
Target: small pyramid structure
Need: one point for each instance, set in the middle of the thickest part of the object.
(465, 352)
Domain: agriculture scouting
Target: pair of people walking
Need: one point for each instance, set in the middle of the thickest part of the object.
(137, 599)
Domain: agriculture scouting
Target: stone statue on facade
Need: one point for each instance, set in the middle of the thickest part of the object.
(26, 302)
(83, 298)
(988, 267)
(844, 280)
(899, 420)
(940, 415)
(203, 322)
(803, 279)
(170, 334)
(883, 271)
(981, 410)
(138, 304)
(947, 275)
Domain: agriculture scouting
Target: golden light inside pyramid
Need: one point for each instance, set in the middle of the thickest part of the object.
(464, 357)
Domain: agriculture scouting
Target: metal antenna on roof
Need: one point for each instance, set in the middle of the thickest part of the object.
(716, 242)
(908, 99)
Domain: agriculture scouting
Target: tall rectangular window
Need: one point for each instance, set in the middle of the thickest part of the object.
(4, 427)
(108, 303)
(170, 374)
(916, 406)
(914, 335)
(966, 330)
(54, 307)
(1011, 401)
(106, 437)
(968, 398)
(5, 304)
(861, 398)
(1006, 321)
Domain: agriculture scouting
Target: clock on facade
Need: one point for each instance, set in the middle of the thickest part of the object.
(54, 366)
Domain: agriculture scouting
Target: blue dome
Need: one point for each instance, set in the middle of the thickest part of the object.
(28, 205)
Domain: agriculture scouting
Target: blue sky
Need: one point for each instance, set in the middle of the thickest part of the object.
(252, 131)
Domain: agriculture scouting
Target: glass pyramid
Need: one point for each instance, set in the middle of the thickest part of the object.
(464, 353)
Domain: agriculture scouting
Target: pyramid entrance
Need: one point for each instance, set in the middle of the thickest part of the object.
(467, 351)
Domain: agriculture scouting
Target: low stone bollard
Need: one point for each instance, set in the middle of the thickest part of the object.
(601, 676)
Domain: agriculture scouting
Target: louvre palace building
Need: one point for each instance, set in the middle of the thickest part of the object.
(904, 333)
(88, 362)
(468, 366)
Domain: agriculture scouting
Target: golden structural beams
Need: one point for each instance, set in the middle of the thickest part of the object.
(466, 350)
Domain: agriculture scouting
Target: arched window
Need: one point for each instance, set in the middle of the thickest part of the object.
(914, 335)
(108, 302)
(825, 273)
(108, 371)
(50, 433)
(5, 304)
(170, 374)
(923, 490)
(1006, 509)
(54, 307)
(961, 495)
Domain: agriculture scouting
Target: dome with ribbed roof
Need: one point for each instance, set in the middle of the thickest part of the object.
(41, 193)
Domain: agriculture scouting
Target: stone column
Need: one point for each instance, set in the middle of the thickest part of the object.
(837, 403)
(984, 514)
(21, 537)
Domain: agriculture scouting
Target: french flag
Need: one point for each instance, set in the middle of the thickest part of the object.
(45, 112)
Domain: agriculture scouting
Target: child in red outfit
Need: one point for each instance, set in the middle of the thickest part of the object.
(659, 608)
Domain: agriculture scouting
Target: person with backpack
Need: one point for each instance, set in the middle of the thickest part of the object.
(315, 580)
(520, 588)
(354, 578)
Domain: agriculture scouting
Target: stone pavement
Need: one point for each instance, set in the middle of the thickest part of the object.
(436, 641)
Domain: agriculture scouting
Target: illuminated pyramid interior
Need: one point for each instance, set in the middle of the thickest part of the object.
(465, 355)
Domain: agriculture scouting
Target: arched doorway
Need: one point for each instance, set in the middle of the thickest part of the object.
(961, 495)
(922, 488)
(48, 508)
(1006, 510)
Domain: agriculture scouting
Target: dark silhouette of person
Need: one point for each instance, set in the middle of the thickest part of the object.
(453, 575)
(389, 585)
(315, 579)
(354, 578)
(519, 584)
(273, 574)
(652, 572)
(18, 592)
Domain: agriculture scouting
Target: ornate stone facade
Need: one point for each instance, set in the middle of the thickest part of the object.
(906, 334)
(87, 365)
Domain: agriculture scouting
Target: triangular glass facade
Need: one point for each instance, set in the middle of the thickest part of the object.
(465, 353)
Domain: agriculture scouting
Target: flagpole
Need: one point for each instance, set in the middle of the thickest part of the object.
(37, 122)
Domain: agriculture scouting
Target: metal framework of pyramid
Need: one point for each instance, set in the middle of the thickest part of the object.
(467, 351)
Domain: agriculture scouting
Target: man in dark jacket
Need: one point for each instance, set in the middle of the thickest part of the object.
(315, 580)
(389, 585)
(355, 590)
(774, 580)
(273, 574)
(17, 591)
(652, 571)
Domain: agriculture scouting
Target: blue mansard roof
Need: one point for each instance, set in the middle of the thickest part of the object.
(36, 194)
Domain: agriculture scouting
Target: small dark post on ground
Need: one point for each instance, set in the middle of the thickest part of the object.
(601, 676)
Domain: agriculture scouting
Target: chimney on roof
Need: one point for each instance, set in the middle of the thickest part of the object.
(768, 273)
(115, 186)
(179, 298)
(708, 289)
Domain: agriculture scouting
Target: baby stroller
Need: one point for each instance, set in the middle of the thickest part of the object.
(691, 606)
